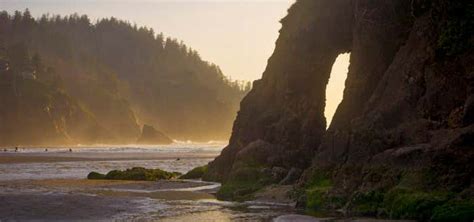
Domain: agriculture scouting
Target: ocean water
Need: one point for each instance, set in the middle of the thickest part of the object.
(176, 147)
(80, 169)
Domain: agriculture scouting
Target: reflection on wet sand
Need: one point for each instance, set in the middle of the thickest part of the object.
(80, 199)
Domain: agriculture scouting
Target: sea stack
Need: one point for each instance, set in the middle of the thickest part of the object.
(152, 136)
(403, 133)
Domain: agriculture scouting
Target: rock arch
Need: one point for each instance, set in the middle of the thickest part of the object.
(286, 107)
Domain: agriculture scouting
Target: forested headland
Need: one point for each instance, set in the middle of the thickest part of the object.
(68, 80)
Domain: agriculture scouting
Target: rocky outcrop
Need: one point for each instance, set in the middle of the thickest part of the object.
(405, 117)
(152, 136)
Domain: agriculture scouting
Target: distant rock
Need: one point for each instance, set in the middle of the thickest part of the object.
(152, 136)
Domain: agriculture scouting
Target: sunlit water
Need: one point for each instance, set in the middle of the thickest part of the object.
(119, 157)
(180, 157)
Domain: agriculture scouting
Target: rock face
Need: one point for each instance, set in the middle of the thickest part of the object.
(152, 136)
(406, 111)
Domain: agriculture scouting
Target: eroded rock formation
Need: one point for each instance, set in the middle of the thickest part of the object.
(285, 108)
(406, 112)
(152, 136)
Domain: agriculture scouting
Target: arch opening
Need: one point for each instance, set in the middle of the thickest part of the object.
(336, 85)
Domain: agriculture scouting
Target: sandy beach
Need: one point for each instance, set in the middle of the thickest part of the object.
(81, 199)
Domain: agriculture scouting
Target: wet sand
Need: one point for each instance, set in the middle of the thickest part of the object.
(117, 185)
(81, 199)
(41, 207)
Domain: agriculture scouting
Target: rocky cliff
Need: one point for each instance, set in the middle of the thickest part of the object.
(400, 143)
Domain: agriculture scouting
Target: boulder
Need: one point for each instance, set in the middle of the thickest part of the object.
(152, 136)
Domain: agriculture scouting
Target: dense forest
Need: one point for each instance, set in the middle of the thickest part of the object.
(99, 82)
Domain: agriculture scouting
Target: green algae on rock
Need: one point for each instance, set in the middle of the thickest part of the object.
(95, 176)
(135, 173)
(195, 173)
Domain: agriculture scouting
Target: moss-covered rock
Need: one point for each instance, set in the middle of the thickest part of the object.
(95, 176)
(412, 194)
(238, 191)
(243, 182)
(316, 198)
(458, 210)
(195, 173)
(402, 203)
(368, 203)
(136, 173)
(317, 191)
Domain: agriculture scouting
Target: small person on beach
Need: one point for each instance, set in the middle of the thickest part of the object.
(70, 150)
(45, 150)
(16, 149)
(5, 150)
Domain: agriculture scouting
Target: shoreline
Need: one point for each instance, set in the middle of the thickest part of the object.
(38, 158)
(19, 157)
(221, 143)
(133, 186)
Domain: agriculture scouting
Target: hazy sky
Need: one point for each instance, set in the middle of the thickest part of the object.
(237, 35)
